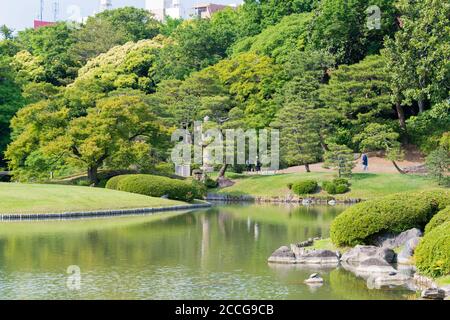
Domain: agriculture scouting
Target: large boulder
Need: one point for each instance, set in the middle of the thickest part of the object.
(313, 256)
(392, 241)
(404, 257)
(361, 253)
(378, 281)
(282, 255)
(433, 293)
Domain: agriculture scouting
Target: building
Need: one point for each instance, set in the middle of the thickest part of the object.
(173, 8)
(183, 9)
(205, 10)
(40, 23)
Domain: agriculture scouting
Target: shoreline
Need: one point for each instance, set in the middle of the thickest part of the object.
(276, 199)
(100, 213)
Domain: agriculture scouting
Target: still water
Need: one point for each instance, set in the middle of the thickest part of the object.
(219, 253)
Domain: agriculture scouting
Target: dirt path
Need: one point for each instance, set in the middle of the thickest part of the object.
(376, 165)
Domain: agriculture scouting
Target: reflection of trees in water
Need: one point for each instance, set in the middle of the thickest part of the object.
(217, 238)
(347, 286)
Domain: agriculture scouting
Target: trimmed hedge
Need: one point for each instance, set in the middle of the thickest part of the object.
(439, 218)
(304, 187)
(432, 255)
(114, 181)
(157, 186)
(396, 213)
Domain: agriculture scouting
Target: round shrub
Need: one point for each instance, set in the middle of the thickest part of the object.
(337, 186)
(432, 255)
(304, 187)
(439, 218)
(341, 181)
(156, 186)
(395, 213)
(329, 187)
(113, 182)
(342, 188)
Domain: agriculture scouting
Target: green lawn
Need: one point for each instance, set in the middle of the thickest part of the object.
(41, 198)
(364, 186)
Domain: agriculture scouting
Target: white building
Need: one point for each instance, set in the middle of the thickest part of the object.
(173, 8)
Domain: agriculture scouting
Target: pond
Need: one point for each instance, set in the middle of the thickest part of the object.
(218, 253)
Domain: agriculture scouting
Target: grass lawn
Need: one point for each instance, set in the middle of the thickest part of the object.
(364, 185)
(41, 198)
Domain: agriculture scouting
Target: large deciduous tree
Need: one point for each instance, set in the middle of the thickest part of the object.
(117, 133)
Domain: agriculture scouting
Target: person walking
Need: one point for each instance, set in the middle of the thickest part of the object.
(365, 162)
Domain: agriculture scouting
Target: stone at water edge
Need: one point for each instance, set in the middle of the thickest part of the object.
(313, 256)
(314, 279)
(433, 294)
(404, 257)
(361, 253)
(392, 241)
(282, 255)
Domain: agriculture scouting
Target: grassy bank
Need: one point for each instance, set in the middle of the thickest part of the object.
(40, 198)
(364, 186)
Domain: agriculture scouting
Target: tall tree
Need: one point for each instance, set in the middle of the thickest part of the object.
(418, 54)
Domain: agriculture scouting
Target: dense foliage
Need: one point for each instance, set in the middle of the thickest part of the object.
(432, 255)
(396, 213)
(439, 218)
(333, 81)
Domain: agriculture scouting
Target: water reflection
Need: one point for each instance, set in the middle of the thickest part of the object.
(220, 253)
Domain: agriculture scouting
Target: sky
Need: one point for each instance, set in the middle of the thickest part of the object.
(19, 14)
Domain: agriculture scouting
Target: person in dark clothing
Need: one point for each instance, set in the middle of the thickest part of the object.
(365, 162)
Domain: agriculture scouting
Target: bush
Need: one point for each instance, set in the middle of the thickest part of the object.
(342, 188)
(396, 213)
(439, 218)
(211, 183)
(329, 187)
(165, 169)
(304, 187)
(200, 189)
(337, 186)
(432, 255)
(156, 186)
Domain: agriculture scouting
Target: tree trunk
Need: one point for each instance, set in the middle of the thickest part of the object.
(307, 167)
(401, 116)
(398, 168)
(222, 171)
(421, 106)
(92, 175)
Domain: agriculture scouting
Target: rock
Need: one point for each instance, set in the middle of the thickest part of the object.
(447, 290)
(312, 256)
(282, 255)
(361, 253)
(433, 293)
(303, 244)
(392, 241)
(332, 202)
(225, 182)
(314, 279)
(165, 196)
(306, 202)
(391, 279)
(404, 257)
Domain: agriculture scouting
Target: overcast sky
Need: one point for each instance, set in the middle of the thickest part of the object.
(19, 14)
